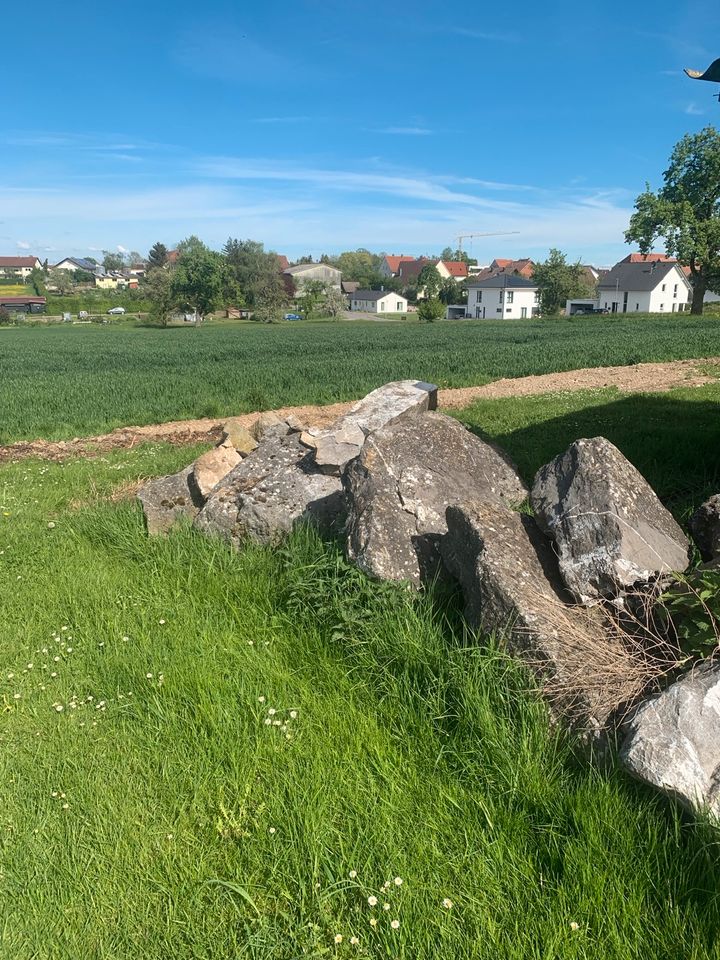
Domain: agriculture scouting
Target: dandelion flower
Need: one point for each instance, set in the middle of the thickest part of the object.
(353, 874)
(395, 924)
(272, 830)
(59, 707)
(354, 941)
(126, 639)
(574, 926)
(272, 711)
(386, 906)
(65, 806)
(447, 903)
(29, 666)
(267, 721)
(293, 714)
(53, 674)
(373, 921)
(398, 881)
(372, 901)
(261, 699)
(161, 622)
(338, 938)
(56, 659)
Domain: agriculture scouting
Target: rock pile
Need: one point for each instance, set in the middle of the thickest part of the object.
(415, 495)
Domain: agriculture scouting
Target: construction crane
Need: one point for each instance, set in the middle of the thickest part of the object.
(470, 236)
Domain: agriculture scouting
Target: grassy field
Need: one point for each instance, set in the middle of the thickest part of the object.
(60, 382)
(216, 755)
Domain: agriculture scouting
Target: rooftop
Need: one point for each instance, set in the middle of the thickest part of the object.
(18, 261)
(637, 275)
(374, 294)
(506, 281)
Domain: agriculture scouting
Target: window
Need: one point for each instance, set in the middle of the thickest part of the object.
(479, 296)
(510, 296)
(537, 297)
(662, 307)
(399, 307)
(675, 291)
(500, 296)
(637, 306)
(663, 288)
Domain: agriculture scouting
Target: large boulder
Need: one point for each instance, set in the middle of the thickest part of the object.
(270, 491)
(705, 528)
(168, 499)
(610, 530)
(237, 436)
(400, 486)
(511, 584)
(340, 443)
(212, 467)
(674, 740)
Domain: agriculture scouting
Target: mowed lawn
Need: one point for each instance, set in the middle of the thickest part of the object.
(59, 382)
(209, 754)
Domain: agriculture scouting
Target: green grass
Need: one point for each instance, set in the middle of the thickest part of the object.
(193, 829)
(60, 382)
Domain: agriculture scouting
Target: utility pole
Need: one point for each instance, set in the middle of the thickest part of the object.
(470, 236)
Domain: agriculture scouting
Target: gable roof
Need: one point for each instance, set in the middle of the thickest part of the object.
(393, 262)
(508, 281)
(304, 267)
(18, 261)
(413, 268)
(375, 294)
(642, 276)
(648, 258)
(283, 262)
(456, 268)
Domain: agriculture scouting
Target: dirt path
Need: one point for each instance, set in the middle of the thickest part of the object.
(640, 378)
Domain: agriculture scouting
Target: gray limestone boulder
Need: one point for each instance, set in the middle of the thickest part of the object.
(610, 530)
(270, 491)
(340, 443)
(674, 740)
(168, 499)
(511, 585)
(400, 486)
(705, 528)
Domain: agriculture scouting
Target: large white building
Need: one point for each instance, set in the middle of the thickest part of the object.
(503, 297)
(302, 273)
(644, 287)
(19, 267)
(378, 301)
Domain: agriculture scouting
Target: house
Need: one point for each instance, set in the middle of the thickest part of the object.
(390, 266)
(19, 267)
(305, 272)
(378, 301)
(644, 286)
(283, 262)
(22, 304)
(457, 269)
(522, 268)
(349, 287)
(503, 297)
(409, 270)
(79, 263)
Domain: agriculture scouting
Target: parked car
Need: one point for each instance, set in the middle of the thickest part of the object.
(292, 316)
(116, 310)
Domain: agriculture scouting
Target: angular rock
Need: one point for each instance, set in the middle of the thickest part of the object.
(269, 422)
(336, 445)
(610, 530)
(238, 437)
(166, 500)
(295, 423)
(674, 740)
(271, 491)
(400, 486)
(213, 466)
(705, 528)
(510, 581)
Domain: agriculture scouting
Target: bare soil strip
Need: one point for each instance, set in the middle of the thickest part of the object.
(639, 378)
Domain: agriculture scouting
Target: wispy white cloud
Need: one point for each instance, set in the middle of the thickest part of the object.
(22, 244)
(693, 110)
(405, 131)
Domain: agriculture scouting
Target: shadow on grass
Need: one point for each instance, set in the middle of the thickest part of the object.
(672, 439)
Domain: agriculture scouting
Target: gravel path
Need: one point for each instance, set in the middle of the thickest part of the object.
(639, 378)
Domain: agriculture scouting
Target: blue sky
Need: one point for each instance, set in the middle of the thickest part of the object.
(321, 126)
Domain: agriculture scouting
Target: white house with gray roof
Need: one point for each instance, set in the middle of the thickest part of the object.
(657, 287)
(503, 297)
(378, 301)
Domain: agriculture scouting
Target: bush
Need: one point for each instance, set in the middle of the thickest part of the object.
(431, 310)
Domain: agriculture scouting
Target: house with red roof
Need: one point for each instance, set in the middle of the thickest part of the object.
(19, 267)
(457, 269)
(390, 267)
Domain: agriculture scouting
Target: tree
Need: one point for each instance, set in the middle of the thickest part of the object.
(191, 244)
(429, 281)
(686, 212)
(157, 257)
(160, 290)
(62, 281)
(36, 280)
(112, 260)
(430, 310)
(269, 298)
(257, 274)
(201, 281)
(558, 281)
(312, 293)
(452, 292)
(335, 303)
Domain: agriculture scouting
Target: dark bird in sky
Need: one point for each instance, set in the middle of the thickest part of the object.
(712, 73)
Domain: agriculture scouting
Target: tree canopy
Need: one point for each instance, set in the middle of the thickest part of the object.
(157, 257)
(201, 281)
(558, 281)
(685, 212)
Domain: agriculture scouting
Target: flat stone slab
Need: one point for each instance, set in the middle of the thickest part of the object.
(674, 740)
(337, 445)
(610, 530)
(270, 491)
(213, 466)
(400, 486)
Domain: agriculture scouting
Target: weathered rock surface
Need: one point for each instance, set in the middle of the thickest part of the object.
(166, 500)
(510, 580)
(210, 468)
(337, 445)
(269, 422)
(400, 486)
(238, 437)
(705, 528)
(609, 527)
(674, 740)
(270, 491)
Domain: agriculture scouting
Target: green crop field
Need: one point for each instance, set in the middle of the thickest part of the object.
(209, 754)
(58, 382)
